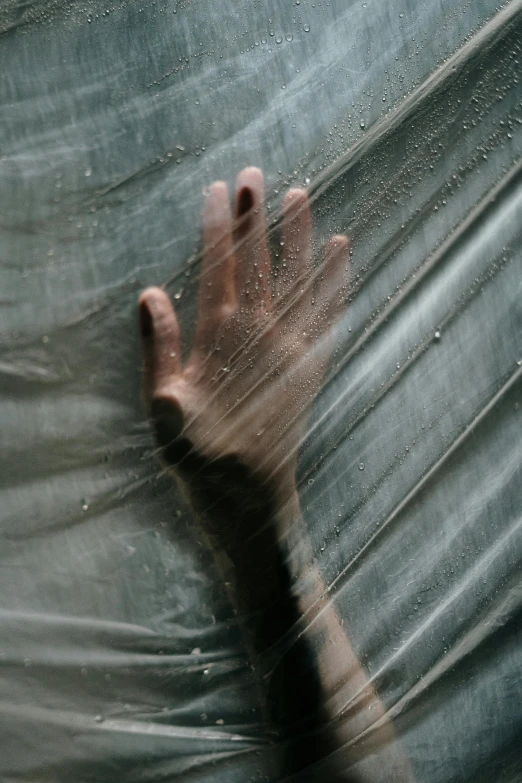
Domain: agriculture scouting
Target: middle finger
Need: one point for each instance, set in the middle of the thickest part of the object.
(253, 283)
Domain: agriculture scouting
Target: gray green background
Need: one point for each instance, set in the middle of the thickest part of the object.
(119, 658)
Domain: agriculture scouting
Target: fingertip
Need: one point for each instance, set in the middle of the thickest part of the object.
(216, 207)
(337, 247)
(152, 297)
(215, 188)
(146, 307)
(145, 317)
(216, 193)
(251, 172)
(340, 241)
(296, 207)
(245, 201)
(249, 179)
(156, 313)
(295, 197)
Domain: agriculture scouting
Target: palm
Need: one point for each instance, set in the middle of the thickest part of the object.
(261, 342)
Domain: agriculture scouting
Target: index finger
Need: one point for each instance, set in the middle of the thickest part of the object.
(217, 294)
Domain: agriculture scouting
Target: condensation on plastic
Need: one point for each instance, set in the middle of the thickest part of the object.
(119, 657)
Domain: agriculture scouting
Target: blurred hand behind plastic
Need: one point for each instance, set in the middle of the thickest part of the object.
(232, 418)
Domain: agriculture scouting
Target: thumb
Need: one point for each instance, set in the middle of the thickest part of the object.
(159, 340)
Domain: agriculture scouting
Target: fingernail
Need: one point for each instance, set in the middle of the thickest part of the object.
(146, 323)
(245, 201)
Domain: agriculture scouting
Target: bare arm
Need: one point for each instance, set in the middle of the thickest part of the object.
(230, 422)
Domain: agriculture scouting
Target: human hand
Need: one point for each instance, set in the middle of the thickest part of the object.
(231, 419)
(230, 422)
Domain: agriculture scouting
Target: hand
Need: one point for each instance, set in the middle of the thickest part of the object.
(230, 422)
(232, 418)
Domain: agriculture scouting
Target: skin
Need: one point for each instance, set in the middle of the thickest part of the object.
(230, 421)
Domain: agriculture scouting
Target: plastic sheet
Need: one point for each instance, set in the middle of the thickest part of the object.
(121, 659)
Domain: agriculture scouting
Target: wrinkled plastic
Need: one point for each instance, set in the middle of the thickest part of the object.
(120, 657)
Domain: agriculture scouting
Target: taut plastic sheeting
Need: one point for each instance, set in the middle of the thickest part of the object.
(120, 660)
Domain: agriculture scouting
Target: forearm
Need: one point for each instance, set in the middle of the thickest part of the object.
(314, 682)
(361, 732)
(242, 530)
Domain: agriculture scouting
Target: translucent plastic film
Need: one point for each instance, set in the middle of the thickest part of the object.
(122, 656)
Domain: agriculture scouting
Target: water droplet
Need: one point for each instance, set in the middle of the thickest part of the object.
(306, 28)
(437, 335)
(363, 124)
(279, 39)
(98, 718)
(310, 482)
(289, 37)
(361, 465)
(88, 172)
